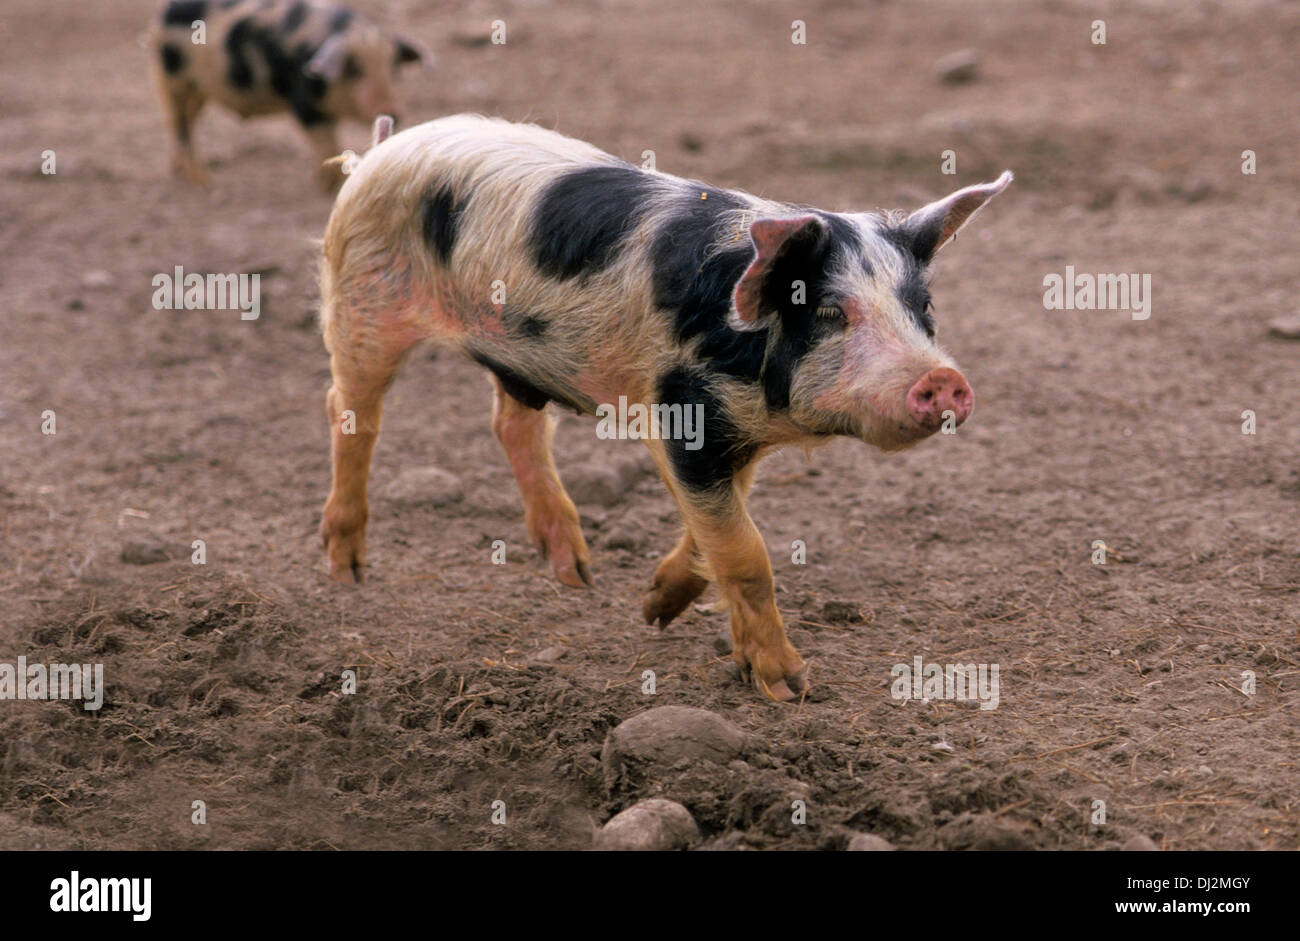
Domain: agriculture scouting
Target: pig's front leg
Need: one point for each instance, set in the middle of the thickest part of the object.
(183, 104)
(680, 577)
(733, 551)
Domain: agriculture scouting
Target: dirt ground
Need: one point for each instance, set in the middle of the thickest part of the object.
(480, 682)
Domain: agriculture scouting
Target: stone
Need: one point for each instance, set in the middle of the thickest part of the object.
(427, 486)
(869, 843)
(958, 68)
(650, 825)
(665, 735)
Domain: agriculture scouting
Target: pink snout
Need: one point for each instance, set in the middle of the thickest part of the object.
(938, 391)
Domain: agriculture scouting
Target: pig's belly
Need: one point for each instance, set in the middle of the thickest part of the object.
(250, 104)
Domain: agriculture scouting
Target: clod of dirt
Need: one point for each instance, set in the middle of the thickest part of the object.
(96, 279)
(18, 834)
(869, 843)
(306, 783)
(653, 824)
(149, 552)
(663, 736)
(424, 486)
(600, 485)
(21, 756)
(1193, 189)
(550, 654)
(629, 532)
(958, 68)
(1139, 843)
(1285, 328)
(726, 843)
(603, 486)
(841, 612)
(982, 832)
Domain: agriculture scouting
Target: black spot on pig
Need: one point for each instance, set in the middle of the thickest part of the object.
(248, 41)
(810, 258)
(585, 215)
(238, 44)
(527, 326)
(407, 52)
(914, 295)
(440, 218)
(918, 243)
(294, 18)
(916, 246)
(184, 12)
(723, 450)
(694, 279)
(173, 59)
(520, 388)
(339, 20)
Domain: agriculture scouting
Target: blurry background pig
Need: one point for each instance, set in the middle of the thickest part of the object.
(320, 62)
(577, 278)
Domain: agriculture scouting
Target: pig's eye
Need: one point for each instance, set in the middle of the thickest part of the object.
(830, 312)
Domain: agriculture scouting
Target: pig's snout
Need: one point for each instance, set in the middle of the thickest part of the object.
(938, 391)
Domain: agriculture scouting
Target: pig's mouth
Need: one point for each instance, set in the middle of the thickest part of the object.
(892, 429)
(904, 434)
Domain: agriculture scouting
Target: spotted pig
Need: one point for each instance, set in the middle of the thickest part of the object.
(321, 63)
(575, 278)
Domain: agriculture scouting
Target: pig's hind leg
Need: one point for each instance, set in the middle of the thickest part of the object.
(676, 584)
(549, 513)
(182, 101)
(365, 354)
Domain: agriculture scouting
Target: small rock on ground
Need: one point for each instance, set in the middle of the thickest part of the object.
(1140, 843)
(665, 735)
(429, 486)
(959, 67)
(868, 843)
(650, 825)
(150, 552)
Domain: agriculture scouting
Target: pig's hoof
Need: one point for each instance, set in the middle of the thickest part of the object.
(351, 575)
(775, 681)
(346, 554)
(667, 599)
(561, 542)
(195, 177)
(345, 566)
(570, 568)
(576, 574)
(191, 172)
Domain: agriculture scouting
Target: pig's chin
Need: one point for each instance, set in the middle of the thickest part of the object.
(898, 437)
(891, 433)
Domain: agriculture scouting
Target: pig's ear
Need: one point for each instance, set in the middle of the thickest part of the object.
(409, 50)
(328, 61)
(930, 227)
(774, 239)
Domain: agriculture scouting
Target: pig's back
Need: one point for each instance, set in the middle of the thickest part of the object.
(481, 222)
